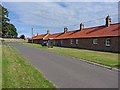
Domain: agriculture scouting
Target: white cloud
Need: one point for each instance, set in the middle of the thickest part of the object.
(59, 0)
(57, 15)
(47, 14)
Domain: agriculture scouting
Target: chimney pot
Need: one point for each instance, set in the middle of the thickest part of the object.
(108, 21)
(81, 26)
(65, 29)
(48, 31)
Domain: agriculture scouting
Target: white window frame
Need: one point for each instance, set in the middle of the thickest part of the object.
(95, 41)
(71, 41)
(76, 41)
(108, 42)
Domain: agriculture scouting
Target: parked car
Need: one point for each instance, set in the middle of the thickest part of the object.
(44, 44)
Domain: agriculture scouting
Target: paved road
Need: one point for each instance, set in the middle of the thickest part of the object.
(66, 72)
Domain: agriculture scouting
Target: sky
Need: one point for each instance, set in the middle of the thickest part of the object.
(54, 16)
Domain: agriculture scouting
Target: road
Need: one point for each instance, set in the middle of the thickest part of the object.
(67, 72)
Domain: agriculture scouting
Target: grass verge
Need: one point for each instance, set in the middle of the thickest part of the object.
(19, 73)
(104, 58)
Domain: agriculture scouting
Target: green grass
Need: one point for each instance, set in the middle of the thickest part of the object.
(19, 72)
(104, 58)
(34, 45)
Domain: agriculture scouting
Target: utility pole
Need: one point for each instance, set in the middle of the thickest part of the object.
(32, 35)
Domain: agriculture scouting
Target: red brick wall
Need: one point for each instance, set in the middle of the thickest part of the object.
(38, 41)
(88, 44)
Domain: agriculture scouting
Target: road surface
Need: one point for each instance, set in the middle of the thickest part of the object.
(67, 72)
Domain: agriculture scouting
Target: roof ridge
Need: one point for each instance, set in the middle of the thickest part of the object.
(62, 34)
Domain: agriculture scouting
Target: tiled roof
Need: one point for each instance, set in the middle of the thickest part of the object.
(65, 35)
(53, 36)
(39, 36)
(99, 31)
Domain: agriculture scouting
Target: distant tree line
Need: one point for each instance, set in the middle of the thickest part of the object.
(22, 36)
(7, 30)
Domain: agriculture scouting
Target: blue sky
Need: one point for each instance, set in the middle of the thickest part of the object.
(55, 15)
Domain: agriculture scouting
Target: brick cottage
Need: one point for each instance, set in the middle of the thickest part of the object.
(101, 38)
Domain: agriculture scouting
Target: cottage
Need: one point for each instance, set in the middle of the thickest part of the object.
(101, 38)
(53, 36)
(39, 39)
(96, 38)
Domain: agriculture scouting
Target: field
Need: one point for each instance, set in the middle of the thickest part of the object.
(18, 72)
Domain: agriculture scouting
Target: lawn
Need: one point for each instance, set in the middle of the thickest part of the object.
(104, 58)
(18, 72)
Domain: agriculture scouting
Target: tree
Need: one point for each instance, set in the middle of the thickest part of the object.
(8, 30)
(22, 36)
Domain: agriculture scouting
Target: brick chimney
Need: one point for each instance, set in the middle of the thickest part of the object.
(48, 31)
(81, 26)
(65, 29)
(108, 21)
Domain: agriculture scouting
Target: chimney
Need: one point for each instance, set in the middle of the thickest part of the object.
(65, 29)
(37, 34)
(81, 26)
(108, 21)
(48, 31)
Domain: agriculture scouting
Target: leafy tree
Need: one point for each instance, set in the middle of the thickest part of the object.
(8, 30)
(22, 36)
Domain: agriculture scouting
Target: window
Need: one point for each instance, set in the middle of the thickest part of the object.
(108, 42)
(76, 41)
(71, 41)
(95, 41)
